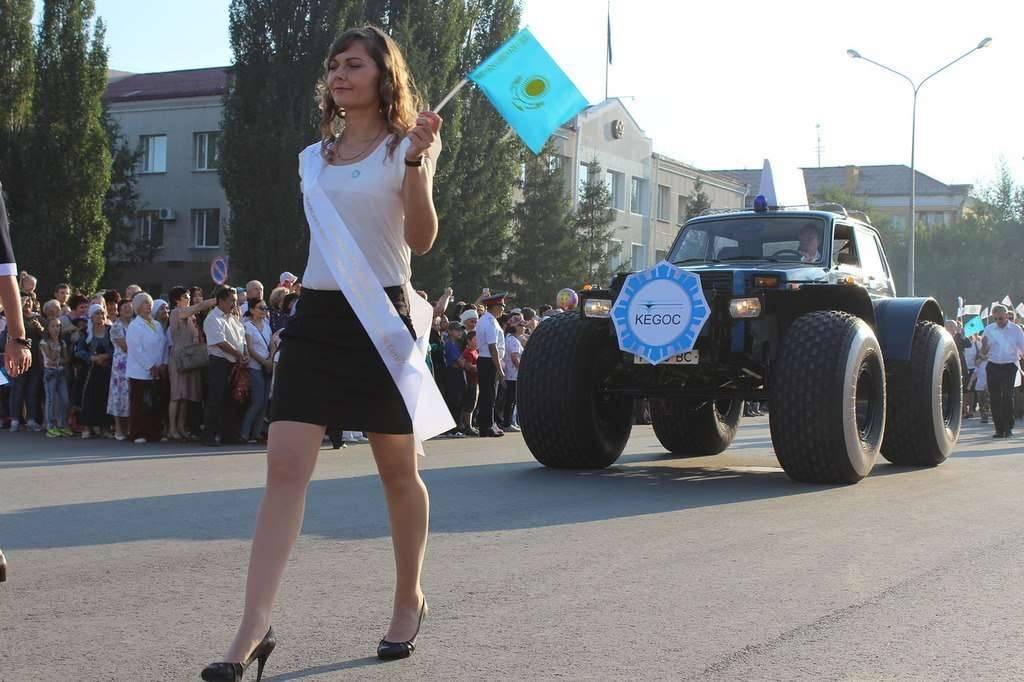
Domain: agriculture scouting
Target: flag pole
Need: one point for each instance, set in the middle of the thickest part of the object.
(447, 98)
(608, 49)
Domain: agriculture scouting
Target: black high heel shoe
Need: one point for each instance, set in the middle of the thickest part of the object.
(233, 672)
(393, 650)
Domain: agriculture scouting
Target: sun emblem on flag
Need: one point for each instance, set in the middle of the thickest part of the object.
(529, 92)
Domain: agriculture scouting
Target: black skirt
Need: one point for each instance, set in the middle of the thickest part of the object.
(329, 372)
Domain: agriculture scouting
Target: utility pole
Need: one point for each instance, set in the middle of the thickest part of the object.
(819, 147)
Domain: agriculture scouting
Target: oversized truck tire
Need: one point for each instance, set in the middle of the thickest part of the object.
(567, 422)
(925, 401)
(691, 427)
(828, 399)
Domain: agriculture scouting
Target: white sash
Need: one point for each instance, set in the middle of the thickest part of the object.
(404, 358)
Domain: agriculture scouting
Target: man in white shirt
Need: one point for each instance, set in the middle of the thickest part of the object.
(1003, 344)
(225, 341)
(490, 365)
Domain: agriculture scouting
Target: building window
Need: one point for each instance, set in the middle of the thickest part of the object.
(206, 227)
(154, 153)
(683, 202)
(638, 196)
(617, 189)
(660, 255)
(639, 257)
(664, 197)
(151, 228)
(584, 175)
(615, 253)
(204, 151)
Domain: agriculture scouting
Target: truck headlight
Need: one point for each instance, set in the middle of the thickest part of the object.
(597, 307)
(745, 307)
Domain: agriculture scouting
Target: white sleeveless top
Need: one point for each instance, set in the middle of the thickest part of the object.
(368, 197)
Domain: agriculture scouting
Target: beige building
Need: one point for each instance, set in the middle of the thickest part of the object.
(885, 188)
(174, 118)
(649, 190)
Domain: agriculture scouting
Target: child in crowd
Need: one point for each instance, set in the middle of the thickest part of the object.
(55, 361)
(469, 357)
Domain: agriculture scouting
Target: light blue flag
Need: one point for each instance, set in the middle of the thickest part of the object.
(974, 326)
(528, 89)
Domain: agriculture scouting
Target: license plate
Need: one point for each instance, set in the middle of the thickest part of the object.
(690, 357)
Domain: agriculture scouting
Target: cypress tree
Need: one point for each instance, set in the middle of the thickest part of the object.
(121, 202)
(63, 231)
(17, 77)
(593, 220)
(547, 256)
(270, 115)
(475, 201)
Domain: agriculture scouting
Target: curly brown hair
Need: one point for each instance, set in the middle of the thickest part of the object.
(400, 101)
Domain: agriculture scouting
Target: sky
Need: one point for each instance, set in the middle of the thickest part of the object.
(725, 85)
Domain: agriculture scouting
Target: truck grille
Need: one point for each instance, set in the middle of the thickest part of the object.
(716, 282)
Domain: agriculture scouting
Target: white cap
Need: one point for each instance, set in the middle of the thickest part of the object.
(287, 277)
(468, 315)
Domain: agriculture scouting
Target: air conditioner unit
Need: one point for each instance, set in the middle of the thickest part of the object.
(167, 214)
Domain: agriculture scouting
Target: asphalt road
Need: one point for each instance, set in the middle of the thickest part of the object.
(127, 563)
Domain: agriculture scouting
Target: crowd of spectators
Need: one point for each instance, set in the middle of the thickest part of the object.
(123, 365)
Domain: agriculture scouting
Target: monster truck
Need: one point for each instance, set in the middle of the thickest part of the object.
(800, 311)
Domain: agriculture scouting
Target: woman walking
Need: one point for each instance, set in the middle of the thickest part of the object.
(147, 355)
(376, 173)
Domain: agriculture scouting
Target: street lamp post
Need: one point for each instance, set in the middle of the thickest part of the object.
(912, 218)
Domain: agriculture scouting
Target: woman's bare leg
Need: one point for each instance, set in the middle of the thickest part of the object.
(172, 419)
(291, 457)
(409, 511)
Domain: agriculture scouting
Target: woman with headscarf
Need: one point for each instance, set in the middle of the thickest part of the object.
(118, 405)
(147, 355)
(96, 351)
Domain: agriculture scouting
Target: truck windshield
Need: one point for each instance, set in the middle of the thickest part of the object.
(751, 238)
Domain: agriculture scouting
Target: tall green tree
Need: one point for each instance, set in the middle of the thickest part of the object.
(594, 230)
(62, 231)
(547, 254)
(474, 196)
(699, 202)
(17, 55)
(120, 206)
(434, 35)
(270, 115)
(17, 77)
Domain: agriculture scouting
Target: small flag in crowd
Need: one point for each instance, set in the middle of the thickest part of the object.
(984, 314)
(974, 326)
(1007, 302)
(972, 309)
(959, 307)
(1020, 310)
(528, 89)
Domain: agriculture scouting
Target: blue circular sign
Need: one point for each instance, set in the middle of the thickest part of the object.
(660, 312)
(219, 270)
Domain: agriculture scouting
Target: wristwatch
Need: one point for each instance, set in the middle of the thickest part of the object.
(27, 343)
